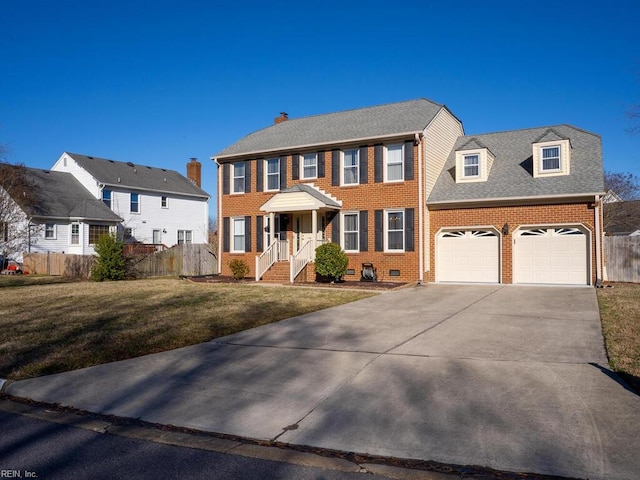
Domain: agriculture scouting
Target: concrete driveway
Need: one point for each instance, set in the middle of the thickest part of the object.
(512, 378)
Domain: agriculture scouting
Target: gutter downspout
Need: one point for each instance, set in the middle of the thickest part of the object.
(598, 241)
(220, 222)
(420, 213)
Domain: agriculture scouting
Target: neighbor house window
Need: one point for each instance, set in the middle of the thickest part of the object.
(310, 165)
(350, 232)
(394, 163)
(237, 229)
(184, 237)
(50, 231)
(106, 197)
(550, 158)
(96, 231)
(394, 231)
(273, 174)
(128, 234)
(350, 167)
(238, 177)
(164, 202)
(135, 203)
(75, 234)
(471, 165)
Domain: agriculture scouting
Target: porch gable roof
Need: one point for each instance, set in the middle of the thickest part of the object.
(298, 198)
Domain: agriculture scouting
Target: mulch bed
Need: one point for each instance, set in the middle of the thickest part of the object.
(345, 284)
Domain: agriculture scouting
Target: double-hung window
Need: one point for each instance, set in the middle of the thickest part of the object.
(50, 231)
(550, 158)
(135, 203)
(350, 232)
(350, 165)
(238, 177)
(273, 174)
(394, 231)
(310, 165)
(106, 197)
(394, 163)
(237, 229)
(75, 234)
(164, 202)
(471, 166)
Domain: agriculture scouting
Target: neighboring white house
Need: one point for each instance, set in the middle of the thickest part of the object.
(53, 212)
(157, 206)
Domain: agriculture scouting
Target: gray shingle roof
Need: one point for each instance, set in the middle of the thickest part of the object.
(59, 195)
(339, 127)
(129, 175)
(511, 175)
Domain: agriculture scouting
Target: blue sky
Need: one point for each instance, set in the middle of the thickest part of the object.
(157, 82)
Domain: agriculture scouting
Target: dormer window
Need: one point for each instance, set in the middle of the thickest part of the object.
(551, 158)
(473, 165)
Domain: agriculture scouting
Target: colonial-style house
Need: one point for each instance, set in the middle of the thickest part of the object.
(157, 206)
(52, 212)
(400, 186)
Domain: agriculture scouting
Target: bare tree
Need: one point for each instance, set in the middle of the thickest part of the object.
(213, 233)
(625, 214)
(17, 199)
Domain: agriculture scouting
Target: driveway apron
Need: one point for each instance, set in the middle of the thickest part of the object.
(512, 378)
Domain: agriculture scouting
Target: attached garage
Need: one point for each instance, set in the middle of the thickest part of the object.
(551, 255)
(468, 255)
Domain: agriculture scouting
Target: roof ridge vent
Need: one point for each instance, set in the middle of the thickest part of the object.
(130, 164)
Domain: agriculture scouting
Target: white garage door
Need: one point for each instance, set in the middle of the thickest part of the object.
(552, 255)
(468, 256)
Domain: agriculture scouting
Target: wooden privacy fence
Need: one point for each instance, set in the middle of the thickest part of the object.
(179, 260)
(622, 258)
(66, 265)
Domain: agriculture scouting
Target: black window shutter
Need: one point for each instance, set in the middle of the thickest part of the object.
(259, 233)
(295, 166)
(364, 164)
(247, 234)
(259, 174)
(335, 167)
(283, 173)
(335, 229)
(247, 177)
(226, 234)
(320, 164)
(364, 230)
(377, 164)
(226, 168)
(409, 229)
(379, 227)
(408, 161)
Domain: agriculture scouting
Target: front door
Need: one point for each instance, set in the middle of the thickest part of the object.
(302, 229)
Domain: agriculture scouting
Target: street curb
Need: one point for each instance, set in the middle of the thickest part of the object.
(4, 383)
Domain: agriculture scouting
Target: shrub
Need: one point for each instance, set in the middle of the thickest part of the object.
(331, 262)
(239, 269)
(110, 263)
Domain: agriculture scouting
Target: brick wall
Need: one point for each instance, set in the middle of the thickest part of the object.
(370, 197)
(514, 216)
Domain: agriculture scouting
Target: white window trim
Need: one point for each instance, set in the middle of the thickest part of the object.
(55, 231)
(343, 230)
(542, 159)
(465, 165)
(343, 166)
(131, 194)
(386, 162)
(164, 199)
(184, 237)
(386, 230)
(110, 197)
(234, 177)
(71, 234)
(564, 148)
(485, 161)
(315, 165)
(232, 223)
(267, 174)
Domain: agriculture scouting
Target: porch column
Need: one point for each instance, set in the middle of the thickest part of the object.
(314, 229)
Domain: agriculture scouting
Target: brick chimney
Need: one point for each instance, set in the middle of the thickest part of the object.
(194, 172)
(284, 116)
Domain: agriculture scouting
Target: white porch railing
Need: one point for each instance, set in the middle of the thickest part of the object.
(300, 259)
(277, 251)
